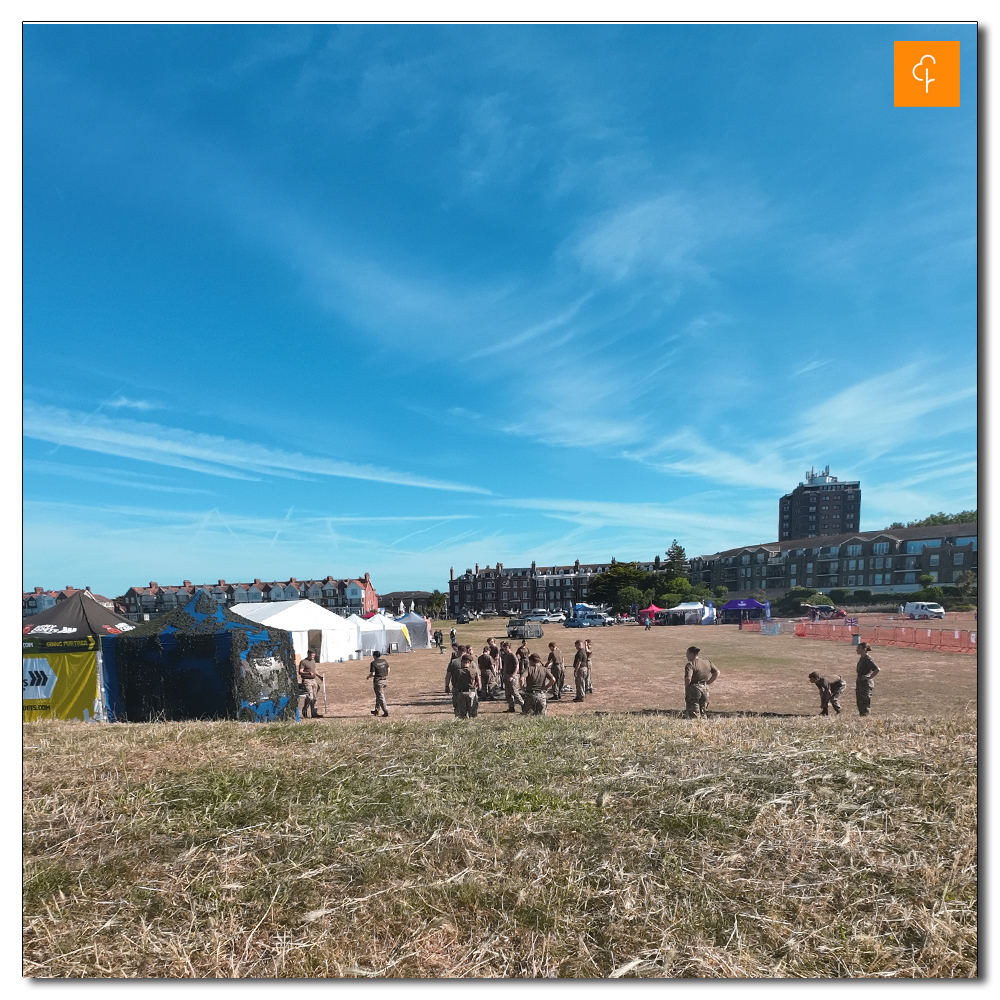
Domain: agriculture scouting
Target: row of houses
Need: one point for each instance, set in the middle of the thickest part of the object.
(342, 596)
(38, 600)
(523, 588)
(889, 561)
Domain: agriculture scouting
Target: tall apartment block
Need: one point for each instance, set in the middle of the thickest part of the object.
(821, 505)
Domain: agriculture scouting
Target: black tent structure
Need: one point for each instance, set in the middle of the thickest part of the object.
(62, 675)
(201, 662)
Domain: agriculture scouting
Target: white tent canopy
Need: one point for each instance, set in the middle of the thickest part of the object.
(340, 638)
(380, 632)
(705, 613)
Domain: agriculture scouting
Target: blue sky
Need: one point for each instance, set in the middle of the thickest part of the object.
(308, 300)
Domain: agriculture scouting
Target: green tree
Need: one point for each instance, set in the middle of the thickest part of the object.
(839, 595)
(968, 584)
(962, 517)
(720, 593)
(604, 587)
(791, 604)
(676, 560)
(626, 597)
(437, 604)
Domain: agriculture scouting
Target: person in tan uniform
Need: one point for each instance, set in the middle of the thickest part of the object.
(537, 680)
(865, 684)
(379, 674)
(467, 686)
(487, 679)
(310, 677)
(555, 664)
(699, 673)
(590, 653)
(830, 686)
(511, 679)
(580, 670)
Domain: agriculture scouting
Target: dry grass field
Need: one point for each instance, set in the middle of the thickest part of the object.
(635, 670)
(586, 844)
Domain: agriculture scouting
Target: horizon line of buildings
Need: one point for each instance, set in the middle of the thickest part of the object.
(887, 561)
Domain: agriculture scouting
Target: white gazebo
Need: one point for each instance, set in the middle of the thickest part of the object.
(381, 633)
(336, 638)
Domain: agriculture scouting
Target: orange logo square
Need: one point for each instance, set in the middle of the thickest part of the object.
(925, 74)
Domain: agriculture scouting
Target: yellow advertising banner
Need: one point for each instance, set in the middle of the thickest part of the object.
(58, 685)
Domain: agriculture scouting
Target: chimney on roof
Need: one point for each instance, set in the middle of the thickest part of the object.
(532, 563)
(153, 583)
(187, 583)
(38, 590)
(451, 576)
(577, 563)
(222, 583)
(256, 580)
(368, 579)
(477, 569)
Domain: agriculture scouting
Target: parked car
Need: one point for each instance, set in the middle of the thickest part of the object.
(556, 616)
(463, 618)
(576, 623)
(489, 614)
(923, 609)
(598, 619)
(536, 616)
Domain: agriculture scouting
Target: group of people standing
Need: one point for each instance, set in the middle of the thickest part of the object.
(525, 679)
(528, 681)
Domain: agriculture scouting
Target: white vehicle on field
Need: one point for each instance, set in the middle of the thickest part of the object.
(923, 609)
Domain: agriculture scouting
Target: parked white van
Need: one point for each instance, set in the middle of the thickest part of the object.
(923, 609)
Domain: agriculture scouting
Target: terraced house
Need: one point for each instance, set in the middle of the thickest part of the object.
(523, 588)
(880, 561)
(344, 597)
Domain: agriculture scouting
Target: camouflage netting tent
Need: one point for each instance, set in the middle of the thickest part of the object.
(200, 662)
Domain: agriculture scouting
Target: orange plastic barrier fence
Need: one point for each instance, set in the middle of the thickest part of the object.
(753, 626)
(901, 636)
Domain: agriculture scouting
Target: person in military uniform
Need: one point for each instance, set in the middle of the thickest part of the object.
(439, 640)
(509, 674)
(580, 670)
(451, 673)
(467, 685)
(494, 651)
(537, 679)
(590, 653)
(310, 677)
(379, 673)
(555, 664)
(522, 657)
(865, 684)
(831, 687)
(487, 679)
(699, 673)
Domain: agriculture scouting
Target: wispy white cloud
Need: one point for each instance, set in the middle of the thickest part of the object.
(209, 454)
(123, 402)
(811, 367)
(112, 477)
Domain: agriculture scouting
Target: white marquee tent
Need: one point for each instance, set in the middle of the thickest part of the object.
(694, 612)
(340, 638)
(380, 632)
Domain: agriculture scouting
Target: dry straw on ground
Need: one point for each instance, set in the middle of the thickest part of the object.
(592, 846)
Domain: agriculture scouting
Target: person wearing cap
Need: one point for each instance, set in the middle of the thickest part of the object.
(698, 674)
(379, 674)
(867, 670)
(830, 686)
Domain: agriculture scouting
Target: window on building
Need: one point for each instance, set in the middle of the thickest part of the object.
(879, 548)
(791, 582)
(809, 567)
(825, 506)
(958, 558)
(878, 579)
(850, 581)
(909, 578)
(918, 547)
(878, 563)
(934, 560)
(809, 581)
(834, 566)
(965, 541)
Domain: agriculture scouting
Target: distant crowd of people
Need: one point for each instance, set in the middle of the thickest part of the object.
(527, 681)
